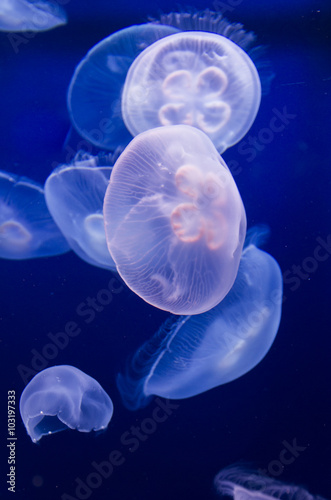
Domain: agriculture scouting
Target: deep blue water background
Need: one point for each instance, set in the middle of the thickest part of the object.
(286, 186)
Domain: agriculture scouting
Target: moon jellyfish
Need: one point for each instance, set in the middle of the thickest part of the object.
(241, 484)
(74, 196)
(95, 90)
(64, 397)
(175, 223)
(194, 78)
(192, 354)
(215, 22)
(27, 229)
(25, 15)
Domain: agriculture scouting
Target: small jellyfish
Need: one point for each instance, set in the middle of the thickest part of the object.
(27, 229)
(241, 484)
(175, 223)
(30, 15)
(94, 94)
(74, 196)
(194, 78)
(192, 354)
(64, 397)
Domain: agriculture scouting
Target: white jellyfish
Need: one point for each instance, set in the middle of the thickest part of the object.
(74, 196)
(174, 220)
(193, 78)
(63, 397)
(193, 354)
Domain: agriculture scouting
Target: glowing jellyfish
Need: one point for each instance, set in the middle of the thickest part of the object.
(95, 90)
(215, 22)
(192, 354)
(27, 229)
(74, 196)
(194, 78)
(25, 15)
(175, 223)
(241, 484)
(64, 397)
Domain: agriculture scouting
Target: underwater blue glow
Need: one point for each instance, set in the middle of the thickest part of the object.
(25, 15)
(64, 311)
(64, 397)
(74, 196)
(193, 354)
(27, 229)
(94, 94)
(175, 223)
(193, 78)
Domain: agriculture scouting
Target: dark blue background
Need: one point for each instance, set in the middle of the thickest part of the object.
(287, 186)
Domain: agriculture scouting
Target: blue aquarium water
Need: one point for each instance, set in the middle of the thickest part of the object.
(245, 421)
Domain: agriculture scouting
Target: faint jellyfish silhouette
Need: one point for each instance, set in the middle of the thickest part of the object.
(192, 354)
(74, 196)
(27, 229)
(174, 220)
(25, 15)
(63, 397)
(239, 483)
(210, 22)
(94, 94)
(37, 481)
(194, 78)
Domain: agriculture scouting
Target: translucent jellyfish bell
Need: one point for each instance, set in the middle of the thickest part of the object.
(25, 15)
(74, 196)
(95, 89)
(193, 354)
(215, 22)
(27, 229)
(194, 78)
(175, 223)
(241, 484)
(63, 397)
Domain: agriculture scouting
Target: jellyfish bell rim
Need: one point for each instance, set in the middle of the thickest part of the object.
(21, 180)
(113, 38)
(66, 168)
(82, 244)
(232, 137)
(33, 422)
